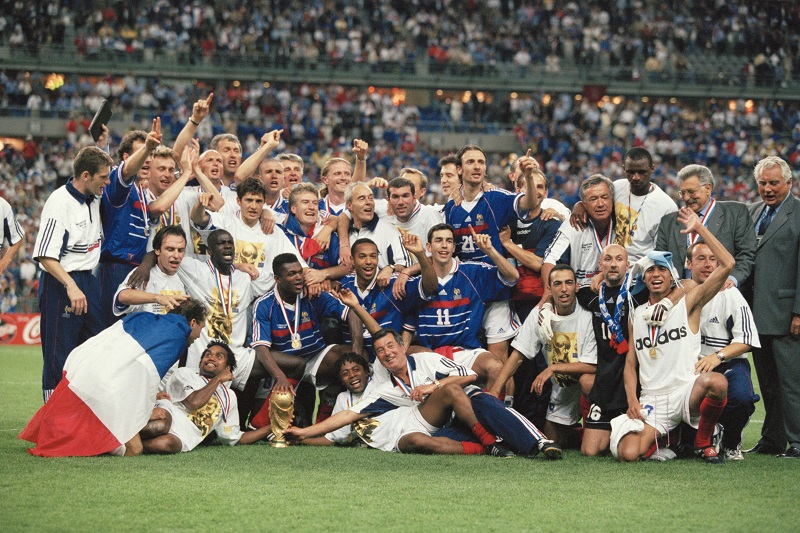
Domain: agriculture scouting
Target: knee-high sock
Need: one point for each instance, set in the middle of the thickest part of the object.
(710, 409)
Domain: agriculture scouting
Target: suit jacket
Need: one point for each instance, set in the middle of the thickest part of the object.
(729, 223)
(776, 275)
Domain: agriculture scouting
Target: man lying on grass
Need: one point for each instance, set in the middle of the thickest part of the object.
(406, 413)
(195, 404)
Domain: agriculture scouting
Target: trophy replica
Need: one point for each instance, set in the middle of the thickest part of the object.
(281, 412)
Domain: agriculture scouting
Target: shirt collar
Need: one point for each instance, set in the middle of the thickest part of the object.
(370, 225)
(78, 195)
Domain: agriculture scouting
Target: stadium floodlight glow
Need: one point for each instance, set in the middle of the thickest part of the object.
(617, 100)
(645, 99)
(54, 81)
(732, 105)
(236, 83)
(514, 95)
(546, 99)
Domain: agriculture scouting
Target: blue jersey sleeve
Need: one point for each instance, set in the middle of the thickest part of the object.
(262, 322)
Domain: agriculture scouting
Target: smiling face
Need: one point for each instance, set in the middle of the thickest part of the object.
(250, 207)
(362, 204)
(231, 156)
(354, 377)
(171, 253)
(402, 202)
(703, 262)
(639, 173)
(391, 354)
(162, 174)
(442, 246)
(449, 178)
(305, 208)
(473, 167)
(365, 261)
(695, 195)
(338, 177)
(772, 188)
(658, 280)
(213, 361)
(563, 287)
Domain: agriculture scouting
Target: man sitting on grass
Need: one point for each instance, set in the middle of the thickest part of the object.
(195, 404)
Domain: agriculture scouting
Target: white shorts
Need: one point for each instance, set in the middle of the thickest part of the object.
(665, 412)
(565, 405)
(500, 322)
(385, 431)
(467, 358)
(182, 428)
(312, 368)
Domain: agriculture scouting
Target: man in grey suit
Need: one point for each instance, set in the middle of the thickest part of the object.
(775, 301)
(729, 222)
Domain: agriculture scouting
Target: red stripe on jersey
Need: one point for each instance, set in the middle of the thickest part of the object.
(285, 332)
(466, 231)
(448, 304)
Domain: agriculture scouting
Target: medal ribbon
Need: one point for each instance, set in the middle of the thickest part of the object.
(654, 332)
(617, 340)
(168, 220)
(402, 384)
(286, 315)
(145, 213)
(692, 238)
(609, 236)
(227, 306)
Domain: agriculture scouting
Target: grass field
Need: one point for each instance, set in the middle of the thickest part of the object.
(258, 488)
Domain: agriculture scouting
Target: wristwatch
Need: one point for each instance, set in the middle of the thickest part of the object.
(720, 356)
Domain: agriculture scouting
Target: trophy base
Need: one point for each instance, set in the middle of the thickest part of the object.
(279, 444)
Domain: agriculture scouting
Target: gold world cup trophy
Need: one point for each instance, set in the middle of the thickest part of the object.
(281, 412)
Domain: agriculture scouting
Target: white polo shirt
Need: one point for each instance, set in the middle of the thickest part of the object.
(70, 229)
(387, 237)
(10, 231)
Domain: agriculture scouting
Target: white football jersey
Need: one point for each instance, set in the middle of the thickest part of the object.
(725, 319)
(638, 217)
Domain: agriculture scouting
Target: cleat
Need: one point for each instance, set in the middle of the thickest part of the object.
(734, 454)
(709, 455)
(498, 450)
(551, 450)
(663, 454)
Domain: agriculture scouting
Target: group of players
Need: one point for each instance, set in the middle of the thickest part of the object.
(434, 320)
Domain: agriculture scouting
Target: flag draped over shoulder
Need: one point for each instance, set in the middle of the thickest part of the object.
(108, 388)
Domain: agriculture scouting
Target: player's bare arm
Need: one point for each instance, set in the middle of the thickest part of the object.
(506, 269)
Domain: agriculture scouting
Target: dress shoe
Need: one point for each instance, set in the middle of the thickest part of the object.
(791, 453)
(765, 449)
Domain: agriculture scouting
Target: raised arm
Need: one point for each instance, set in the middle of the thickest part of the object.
(484, 242)
(360, 149)
(269, 141)
(199, 112)
(137, 158)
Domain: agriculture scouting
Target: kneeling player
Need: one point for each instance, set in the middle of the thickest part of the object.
(662, 359)
(196, 404)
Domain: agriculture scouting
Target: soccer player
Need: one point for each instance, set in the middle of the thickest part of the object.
(68, 249)
(194, 404)
(336, 174)
(727, 333)
(253, 246)
(452, 319)
(228, 145)
(293, 167)
(123, 211)
(663, 359)
(409, 215)
(287, 336)
(381, 304)
(448, 174)
(420, 399)
(110, 384)
(571, 357)
(164, 290)
(10, 232)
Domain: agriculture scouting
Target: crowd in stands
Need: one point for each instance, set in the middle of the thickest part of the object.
(651, 38)
(572, 136)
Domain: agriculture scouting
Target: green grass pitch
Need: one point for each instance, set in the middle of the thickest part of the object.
(258, 488)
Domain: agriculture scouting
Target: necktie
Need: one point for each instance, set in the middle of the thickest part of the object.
(762, 229)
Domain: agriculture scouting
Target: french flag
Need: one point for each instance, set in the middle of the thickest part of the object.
(108, 388)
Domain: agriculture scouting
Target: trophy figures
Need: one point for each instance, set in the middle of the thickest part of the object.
(281, 412)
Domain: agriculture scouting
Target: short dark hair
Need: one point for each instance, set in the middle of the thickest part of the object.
(559, 268)
(282, 260)
(399, 183)
(164, 232)
(467, 148)
(449, 159)
(126, 144)
(251, 186)
(351, 357)
(360, 242)
(211, 240)
(691, 249)
(637, 153)
(381, 333)
(191, 309)
(230, 358)
(90, 159)
(439, 227)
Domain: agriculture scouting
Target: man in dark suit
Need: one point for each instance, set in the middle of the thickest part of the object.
(775, 301)
(729, 222)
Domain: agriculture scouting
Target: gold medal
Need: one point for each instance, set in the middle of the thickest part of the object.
(228, 430)
(296, 341)
(652, 353)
